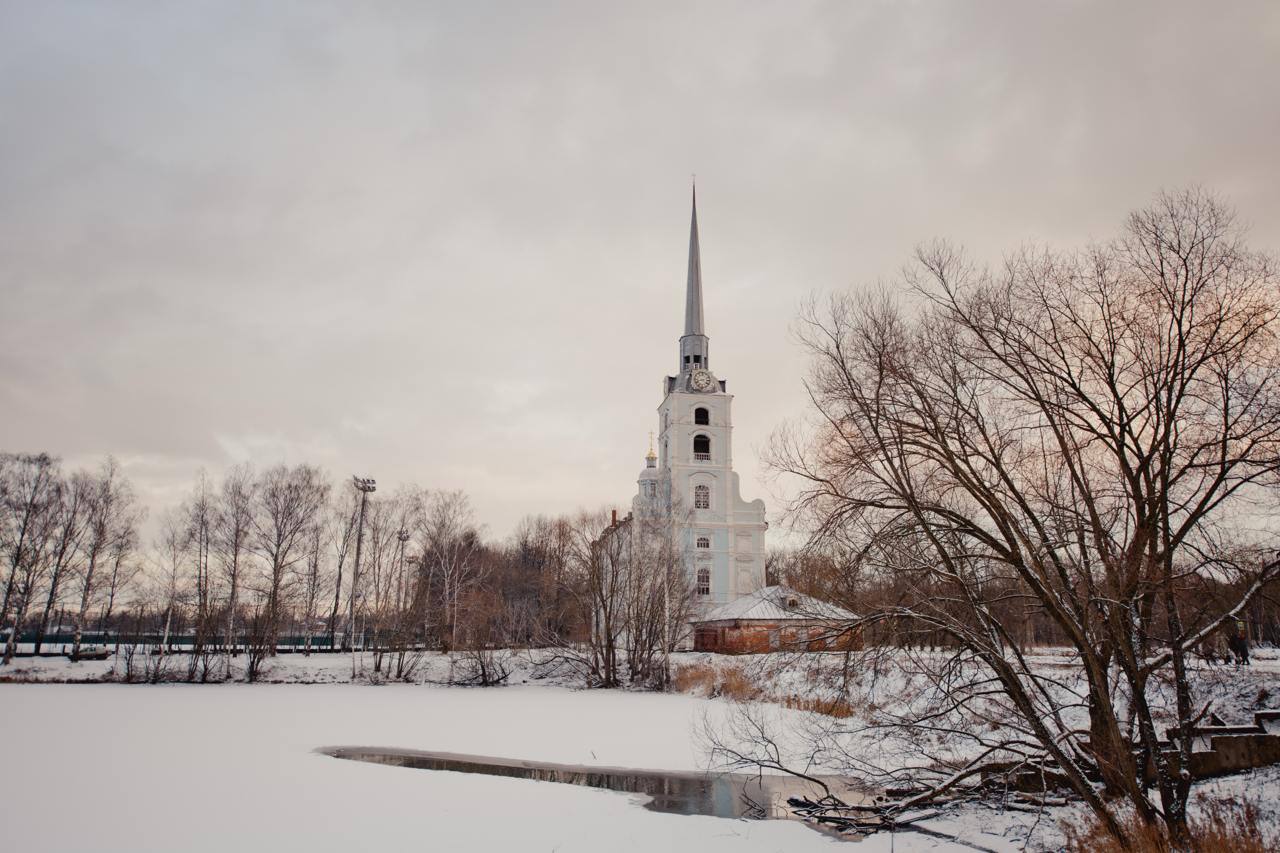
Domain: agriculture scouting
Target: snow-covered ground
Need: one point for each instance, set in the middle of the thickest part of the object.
(327, 668)
(233, 766)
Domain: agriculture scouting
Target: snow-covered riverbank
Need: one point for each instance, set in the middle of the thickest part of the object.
(232, 766)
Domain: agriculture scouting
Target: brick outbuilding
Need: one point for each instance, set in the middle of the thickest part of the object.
(774, 618)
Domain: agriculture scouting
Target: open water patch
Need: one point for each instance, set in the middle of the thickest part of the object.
(727, 795)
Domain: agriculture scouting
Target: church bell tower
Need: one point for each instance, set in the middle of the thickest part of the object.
(692, 479)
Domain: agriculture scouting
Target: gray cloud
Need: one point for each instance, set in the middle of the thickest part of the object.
(445, 244)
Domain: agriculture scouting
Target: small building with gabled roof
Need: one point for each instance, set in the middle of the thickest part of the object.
(775, 618)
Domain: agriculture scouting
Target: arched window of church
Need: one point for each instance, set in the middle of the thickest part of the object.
(701, 416)
(704, 542)
(701, 448)
(704, 580)
(702, 497)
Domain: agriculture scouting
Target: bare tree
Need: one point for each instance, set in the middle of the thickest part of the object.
(201, 512)
(31, 490)
(233, 529)
(450, 541)
(1082, 434)
(342, 523)
(658, 601)
(315, 583)
(171, 551)
(289, 503)
(624, 601)
(123, 569)
(378, 573)
(113, 519)
(601, 563)
(76, 495)
(541, 549)
(601, 558)
(485, 626)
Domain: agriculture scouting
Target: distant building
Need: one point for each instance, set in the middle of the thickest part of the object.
(690, 481)
(772, 619)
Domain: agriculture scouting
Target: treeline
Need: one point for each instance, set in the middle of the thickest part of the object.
(840, 580)
(261, 560)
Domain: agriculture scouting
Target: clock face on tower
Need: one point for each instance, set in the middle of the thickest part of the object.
(701, 380)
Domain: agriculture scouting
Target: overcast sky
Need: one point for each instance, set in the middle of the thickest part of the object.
(445, 243)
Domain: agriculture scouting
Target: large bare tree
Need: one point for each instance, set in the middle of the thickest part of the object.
(1091, 435)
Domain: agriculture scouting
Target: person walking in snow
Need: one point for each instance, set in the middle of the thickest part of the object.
(1238, 643)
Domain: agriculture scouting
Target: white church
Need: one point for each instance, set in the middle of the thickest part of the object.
(691, 479)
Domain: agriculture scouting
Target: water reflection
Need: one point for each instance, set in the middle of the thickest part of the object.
(731, 795)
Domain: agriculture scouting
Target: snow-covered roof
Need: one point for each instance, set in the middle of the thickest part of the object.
(777, 603)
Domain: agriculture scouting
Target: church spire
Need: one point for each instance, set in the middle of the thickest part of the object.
(694, 344)
(693, 289)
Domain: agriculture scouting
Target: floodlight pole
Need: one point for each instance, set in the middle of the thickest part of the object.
(365, 485)
(403, 536)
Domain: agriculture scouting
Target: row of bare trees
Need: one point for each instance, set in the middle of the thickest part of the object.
(68, 542)
(267, 560)
(260, 561)
(235, 565)
(1087, 438)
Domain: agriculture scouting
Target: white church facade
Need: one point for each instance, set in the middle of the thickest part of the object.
(690, 480)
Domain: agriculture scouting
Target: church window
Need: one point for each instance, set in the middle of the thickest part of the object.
(701, 448)
(697, 359)
(701, 416)
(702, 497)
(704, 580)
(704, 542)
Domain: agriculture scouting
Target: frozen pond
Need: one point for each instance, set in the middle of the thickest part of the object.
(728, 795)
(252, 749)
